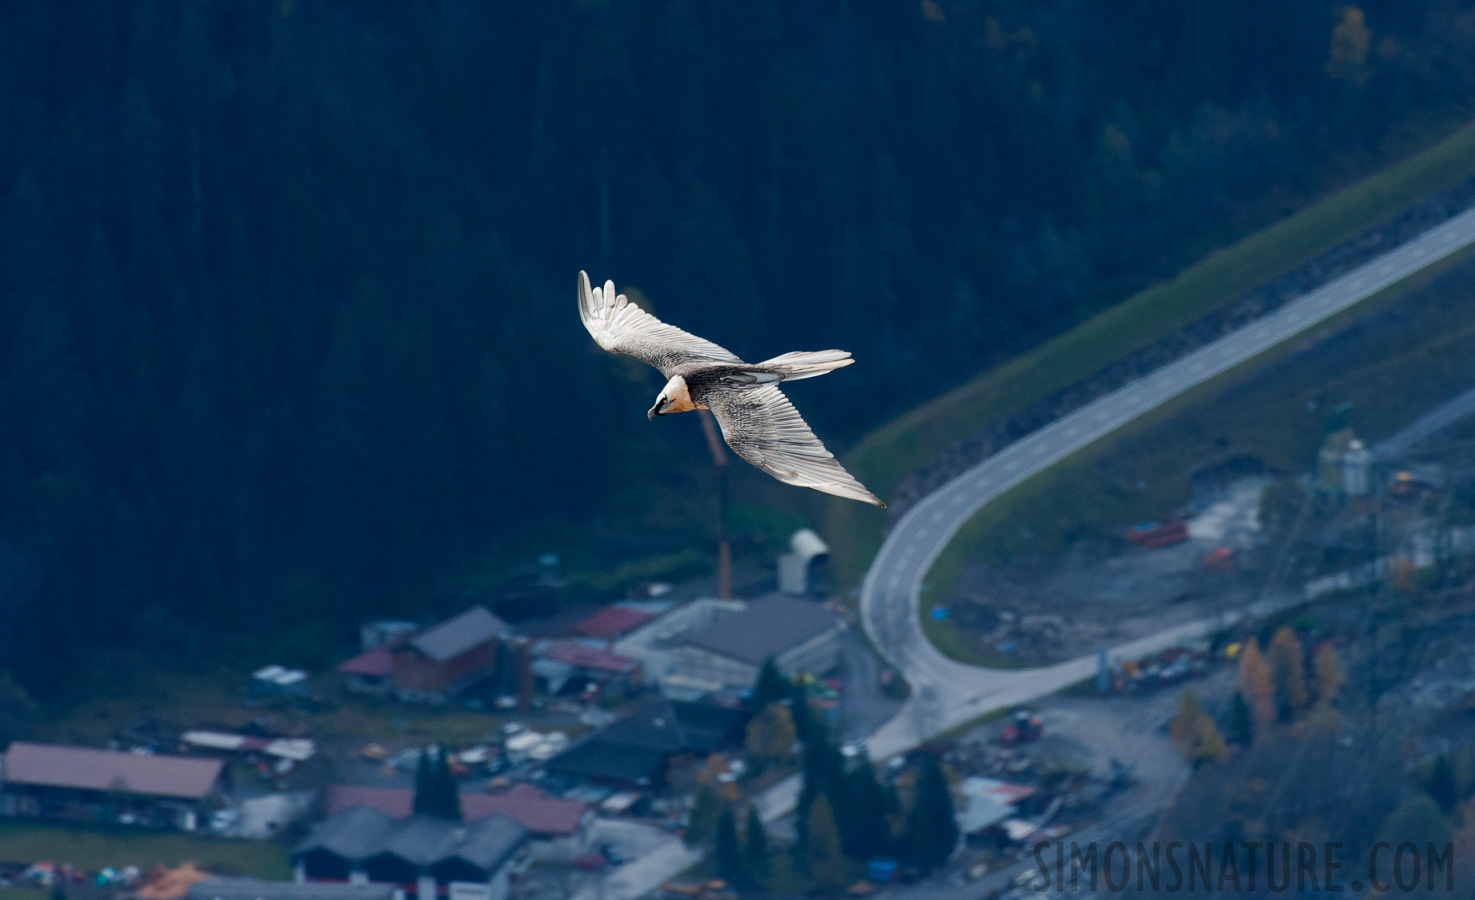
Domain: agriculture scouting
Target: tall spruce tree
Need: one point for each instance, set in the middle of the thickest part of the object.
(1442, 786)
(424, 801)
(755, 845)
(1241, 730)
(931, 829)
(865, 830)
(727, 852)
(705, 809)
(447, 790)
(770, 687)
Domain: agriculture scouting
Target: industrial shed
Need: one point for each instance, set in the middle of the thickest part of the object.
(424, 854)
(82, 783)
(800, 635)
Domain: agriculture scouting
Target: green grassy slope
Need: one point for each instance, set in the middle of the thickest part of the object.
(1393, 357)
(890, 453)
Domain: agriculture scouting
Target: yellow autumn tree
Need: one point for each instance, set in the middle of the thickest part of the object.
(1185, 725)
(771, 735)
(1347, 60)
(1329, 677)
(1288, 674)
(1208, 744)
(1254, 683)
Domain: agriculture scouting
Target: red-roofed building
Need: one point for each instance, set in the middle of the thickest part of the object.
(558, 827)
(81, 783)
(612, 623)
(615, 674)
(371, 672)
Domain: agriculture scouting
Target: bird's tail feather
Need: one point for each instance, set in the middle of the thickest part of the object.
(807, 363)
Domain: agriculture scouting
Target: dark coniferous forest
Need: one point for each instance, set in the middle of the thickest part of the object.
(287, 325)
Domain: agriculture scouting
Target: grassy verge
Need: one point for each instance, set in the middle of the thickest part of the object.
(890, 453)
(93, 849)
(1393, 357)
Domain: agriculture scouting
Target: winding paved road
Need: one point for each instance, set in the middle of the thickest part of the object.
(947, 692)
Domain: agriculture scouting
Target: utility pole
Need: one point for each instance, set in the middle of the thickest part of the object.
(724, 546)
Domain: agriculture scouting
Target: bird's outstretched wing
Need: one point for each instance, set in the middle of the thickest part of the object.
(762, 426)
(620, 326)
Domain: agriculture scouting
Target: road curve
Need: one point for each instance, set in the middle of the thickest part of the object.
(946, 692)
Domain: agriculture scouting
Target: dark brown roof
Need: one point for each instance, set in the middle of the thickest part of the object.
(52, 765)
(768, 627)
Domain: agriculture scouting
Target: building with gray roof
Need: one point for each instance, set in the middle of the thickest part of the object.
(365, 845)
(637, 750)
(84, 783)
(448, 658)
(800, 636)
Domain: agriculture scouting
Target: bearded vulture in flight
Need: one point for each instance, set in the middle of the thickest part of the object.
(758, 421)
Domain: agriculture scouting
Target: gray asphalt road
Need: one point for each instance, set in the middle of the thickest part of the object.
(890, 594)
(863, 706)
(1446, 414)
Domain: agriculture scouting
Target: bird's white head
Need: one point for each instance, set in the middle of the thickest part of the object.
(674, 398)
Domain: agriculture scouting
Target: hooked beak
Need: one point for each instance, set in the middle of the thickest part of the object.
(654, 410)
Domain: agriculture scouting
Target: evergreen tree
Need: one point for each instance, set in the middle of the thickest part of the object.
(824, 773)
(770, 687)
(705, 809)
(755, 848)
(865, 830)
(1442, 785)
(727, 852)
(448, 791)
(1241, 723)
(931, 827)
(425, 800)
(1254, 684)
(824, 858)
(805, 720)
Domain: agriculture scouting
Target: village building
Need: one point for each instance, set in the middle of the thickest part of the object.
(640, 749)
(612, 623)
(84, 784)
(447, 659)
(557, 828)
(426, 856)
(799, 635)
